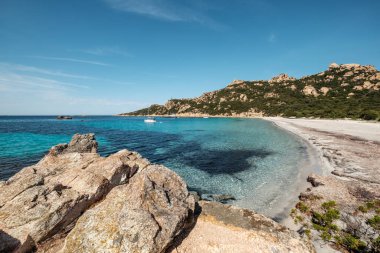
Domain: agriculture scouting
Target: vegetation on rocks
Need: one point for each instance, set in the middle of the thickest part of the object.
(342, 91)
(344, 232)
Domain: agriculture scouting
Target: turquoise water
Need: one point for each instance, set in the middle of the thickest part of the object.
(250, 159)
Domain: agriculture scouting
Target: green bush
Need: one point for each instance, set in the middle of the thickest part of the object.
(374, 222)
(302, 207)
(369, 115)
(329, 204)
(376, 244)
(363, 209)
(352, 241)
(327, 218)
(353, 244)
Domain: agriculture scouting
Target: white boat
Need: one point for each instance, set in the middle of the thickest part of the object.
(150, 120)
(205, 117)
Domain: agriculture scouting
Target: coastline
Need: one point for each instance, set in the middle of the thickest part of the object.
(318, 136)
(75, 200)
(344, 154)
(319, 132)
(312, 164)
(348, 154)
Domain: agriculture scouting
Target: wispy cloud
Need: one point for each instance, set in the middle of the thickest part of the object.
(170, 10)
(45, 91)
(20, 69)
(102, 102)
(24, 68)
(27, 83)
(71, 60)
(30, 79)
(105, 51)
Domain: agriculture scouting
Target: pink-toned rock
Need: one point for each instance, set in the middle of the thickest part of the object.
(142, 216)
(44, 199)
(309, 90)
(281, 78)
(324, 90)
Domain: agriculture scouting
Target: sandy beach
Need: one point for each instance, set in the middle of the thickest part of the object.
(347, 148)
(349, 153)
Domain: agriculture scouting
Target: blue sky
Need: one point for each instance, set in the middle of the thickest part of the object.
(113, 56)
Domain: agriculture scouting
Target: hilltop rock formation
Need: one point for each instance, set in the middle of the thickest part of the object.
(281, 78)
(345, 90)
(73, 200)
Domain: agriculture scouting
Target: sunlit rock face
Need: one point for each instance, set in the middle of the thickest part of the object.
(43, 199)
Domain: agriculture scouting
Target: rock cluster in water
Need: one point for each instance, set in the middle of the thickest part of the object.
(74, 200)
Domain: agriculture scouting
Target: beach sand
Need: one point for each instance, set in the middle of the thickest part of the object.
(347, 148)
(349, 153)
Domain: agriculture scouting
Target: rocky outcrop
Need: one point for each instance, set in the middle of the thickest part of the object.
(85, 143)
(281, 78)
(324, 90)
(236, 82)
(224, 228)
(309, 90)
(44, 199)
(143, 216)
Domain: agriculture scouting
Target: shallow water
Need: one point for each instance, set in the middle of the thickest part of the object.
(250, 159)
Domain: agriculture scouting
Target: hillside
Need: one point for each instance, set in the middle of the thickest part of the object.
(346, 90)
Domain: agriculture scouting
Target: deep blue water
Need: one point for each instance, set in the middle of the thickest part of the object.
(248, 158)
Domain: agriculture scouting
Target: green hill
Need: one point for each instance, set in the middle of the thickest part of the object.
(342, 91)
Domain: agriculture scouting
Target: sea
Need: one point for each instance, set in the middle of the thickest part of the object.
(259, 164)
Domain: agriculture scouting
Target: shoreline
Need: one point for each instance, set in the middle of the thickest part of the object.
(325, 167)
(258, 116)
(348, 153)
(312, 164)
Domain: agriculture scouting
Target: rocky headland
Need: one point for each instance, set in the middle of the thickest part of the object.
(341, 91)
(74, 200)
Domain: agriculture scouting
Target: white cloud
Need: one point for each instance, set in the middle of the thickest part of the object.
(159, 9)
(24, 68)
(170, 10)
(27, 83)
(106, 51)
(71, 60)
(17, 68)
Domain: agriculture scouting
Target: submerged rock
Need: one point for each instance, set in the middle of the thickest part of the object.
(222, 198)
(143, 216)
(44, 199)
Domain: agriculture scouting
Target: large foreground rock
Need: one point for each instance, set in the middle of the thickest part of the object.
(44, 199)
(143, 216)
(224, 228)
